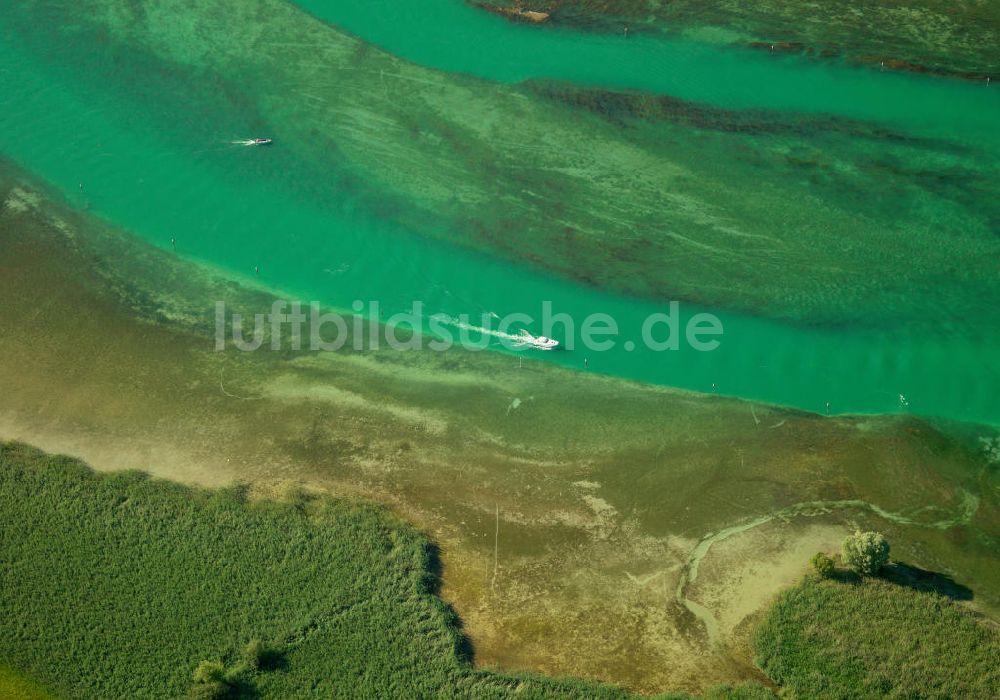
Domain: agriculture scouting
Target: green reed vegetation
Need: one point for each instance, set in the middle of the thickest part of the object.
(119, 585)
(845, 637)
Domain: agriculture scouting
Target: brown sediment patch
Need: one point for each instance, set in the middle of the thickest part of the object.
(744, 573)
(601, 489)
(294, 389)
(742, 576)
(516, 13)
(153, 455)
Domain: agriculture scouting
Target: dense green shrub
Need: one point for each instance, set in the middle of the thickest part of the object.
(254, 655)
(823, 565)
(866, 552)
(210, 672)
(210, 682)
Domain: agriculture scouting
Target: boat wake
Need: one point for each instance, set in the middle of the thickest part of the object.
(520, 340)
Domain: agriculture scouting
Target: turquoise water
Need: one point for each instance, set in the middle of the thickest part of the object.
(435, 33)
(161, 170)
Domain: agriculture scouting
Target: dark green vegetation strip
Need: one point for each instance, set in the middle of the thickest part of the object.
(119, 585)
(875, 638)
(941, 36)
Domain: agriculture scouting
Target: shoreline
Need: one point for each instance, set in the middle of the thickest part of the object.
(591, 479)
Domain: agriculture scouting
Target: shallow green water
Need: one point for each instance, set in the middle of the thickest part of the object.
(435, 33)
(158, 160)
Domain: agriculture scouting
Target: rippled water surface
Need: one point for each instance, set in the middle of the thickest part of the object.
(134, 116)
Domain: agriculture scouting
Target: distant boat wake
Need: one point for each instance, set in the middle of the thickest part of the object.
(522, 339)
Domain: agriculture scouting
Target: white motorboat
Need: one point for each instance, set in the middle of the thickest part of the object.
(537, 341)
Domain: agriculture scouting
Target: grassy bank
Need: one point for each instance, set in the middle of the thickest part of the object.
(876, 638)
(119, 585)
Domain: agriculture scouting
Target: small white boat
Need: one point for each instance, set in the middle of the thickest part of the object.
(261, 142)
(253, 142)
(537, 341)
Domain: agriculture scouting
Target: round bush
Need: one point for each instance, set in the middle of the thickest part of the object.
(209, 672)
(823, 565)
(866, 552)
(254, 655)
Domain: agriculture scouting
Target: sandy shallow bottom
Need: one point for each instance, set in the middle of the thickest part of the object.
(568, 525)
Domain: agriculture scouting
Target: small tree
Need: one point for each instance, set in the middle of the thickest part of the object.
(823, 565)
(210, 672)
(209, 681)
(254, 655)
(866, 552)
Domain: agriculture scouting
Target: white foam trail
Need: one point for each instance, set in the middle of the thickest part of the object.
(514, 339)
